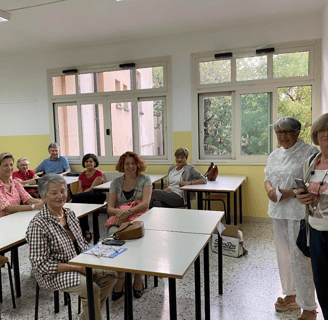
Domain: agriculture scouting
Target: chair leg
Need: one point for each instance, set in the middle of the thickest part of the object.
(146, 284)
(11, 286)
(67, 299)
(36, 301)
(56, 301)
(107, 308)
(155, 281)
(79, 305)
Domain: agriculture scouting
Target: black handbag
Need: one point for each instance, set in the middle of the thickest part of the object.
(301, 241)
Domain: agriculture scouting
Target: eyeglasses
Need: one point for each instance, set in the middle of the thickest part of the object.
(280, 133)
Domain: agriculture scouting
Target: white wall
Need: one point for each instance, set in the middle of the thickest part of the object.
(23, 75)
(324, 79)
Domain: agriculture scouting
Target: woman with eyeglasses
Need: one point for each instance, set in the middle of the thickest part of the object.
(316, 201)
(179, 175)
(284, 165)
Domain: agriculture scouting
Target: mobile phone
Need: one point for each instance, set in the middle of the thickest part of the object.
(300, 184)
(112, 242)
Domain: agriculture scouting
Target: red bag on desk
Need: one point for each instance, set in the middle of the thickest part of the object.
(111, 220)
(212, 172)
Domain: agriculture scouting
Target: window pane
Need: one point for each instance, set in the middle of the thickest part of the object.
(122, 127)
(149, 78)
(296, 102)
(68, 130)
(151, 127)
(291, 64)
(63, 85)
(114, 80)
(252, 68)
(255, 121)
(87, 82)
(217, 125)
(93, 129)
(215, 71)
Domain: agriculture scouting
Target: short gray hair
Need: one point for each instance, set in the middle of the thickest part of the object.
(6, 155)
(20, 160)
(287, 123)
(53, 145)
(47, 180)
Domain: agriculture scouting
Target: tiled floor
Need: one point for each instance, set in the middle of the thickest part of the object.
(251, 286)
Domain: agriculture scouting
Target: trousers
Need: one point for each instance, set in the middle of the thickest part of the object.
(294, 268)
(160, 198)
(103, 283)
(319, 260)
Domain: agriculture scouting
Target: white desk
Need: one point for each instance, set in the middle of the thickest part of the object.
(68, 180)
(158, 253)
(223, 184)
(190, 221)
(153, 177)
(13, 228)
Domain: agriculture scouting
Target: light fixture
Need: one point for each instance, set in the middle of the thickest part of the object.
(4, 16)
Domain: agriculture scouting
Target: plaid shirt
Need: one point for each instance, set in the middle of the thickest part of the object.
(50, 244)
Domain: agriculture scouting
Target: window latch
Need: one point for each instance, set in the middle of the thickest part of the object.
(108, 132)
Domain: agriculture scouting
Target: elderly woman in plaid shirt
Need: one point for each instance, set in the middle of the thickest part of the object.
(55, 237)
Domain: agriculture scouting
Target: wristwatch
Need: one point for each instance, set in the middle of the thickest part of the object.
(130, 211)
(32, 206)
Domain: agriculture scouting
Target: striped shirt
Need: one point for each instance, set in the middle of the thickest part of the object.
(50, 244)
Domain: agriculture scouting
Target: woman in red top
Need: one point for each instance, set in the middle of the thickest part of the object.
(89, 179)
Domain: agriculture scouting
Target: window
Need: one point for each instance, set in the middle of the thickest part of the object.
(110, 111)
(238, 97)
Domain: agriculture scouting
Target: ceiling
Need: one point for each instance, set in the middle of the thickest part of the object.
(50, 24)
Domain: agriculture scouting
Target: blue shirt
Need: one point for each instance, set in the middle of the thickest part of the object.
(53, 166)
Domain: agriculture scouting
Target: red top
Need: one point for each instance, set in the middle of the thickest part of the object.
(86, 183)
(29, 175)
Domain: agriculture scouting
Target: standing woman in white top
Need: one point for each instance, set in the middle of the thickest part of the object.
(284, 165)
(316, 175)
(180, 175)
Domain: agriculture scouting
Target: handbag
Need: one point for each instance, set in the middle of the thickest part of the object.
(130, 230)
(110, 222)
(212, 172)
(301, 240)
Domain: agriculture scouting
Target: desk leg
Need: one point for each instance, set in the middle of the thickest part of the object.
(15, 263)
(173, 299)
(199, 200)
(240, 205)
(128, 306)
(56, 301)
(91, 301)
(220, 265)
(197, 289)
(228, 208)
(188, 200)
(95, 222)
(235, 218)
(207, 283)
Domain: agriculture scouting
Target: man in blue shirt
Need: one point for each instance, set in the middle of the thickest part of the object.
(54, 164)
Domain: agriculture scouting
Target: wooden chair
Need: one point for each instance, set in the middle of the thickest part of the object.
(73, 187)
(3, 261)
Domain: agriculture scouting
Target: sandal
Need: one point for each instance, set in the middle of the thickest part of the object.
(88, 236)
(308, 315)
(282, 305)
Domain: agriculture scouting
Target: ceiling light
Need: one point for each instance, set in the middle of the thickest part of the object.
(4, 16)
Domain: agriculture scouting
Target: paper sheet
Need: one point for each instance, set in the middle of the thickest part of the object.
(102, 250)
(279, 195)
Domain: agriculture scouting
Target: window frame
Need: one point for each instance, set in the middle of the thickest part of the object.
(106, 98)
(251, 86)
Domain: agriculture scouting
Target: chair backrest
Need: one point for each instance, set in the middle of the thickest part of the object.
(111, 175)
(74, 187)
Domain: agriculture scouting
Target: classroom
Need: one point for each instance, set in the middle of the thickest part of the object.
(85, 39)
